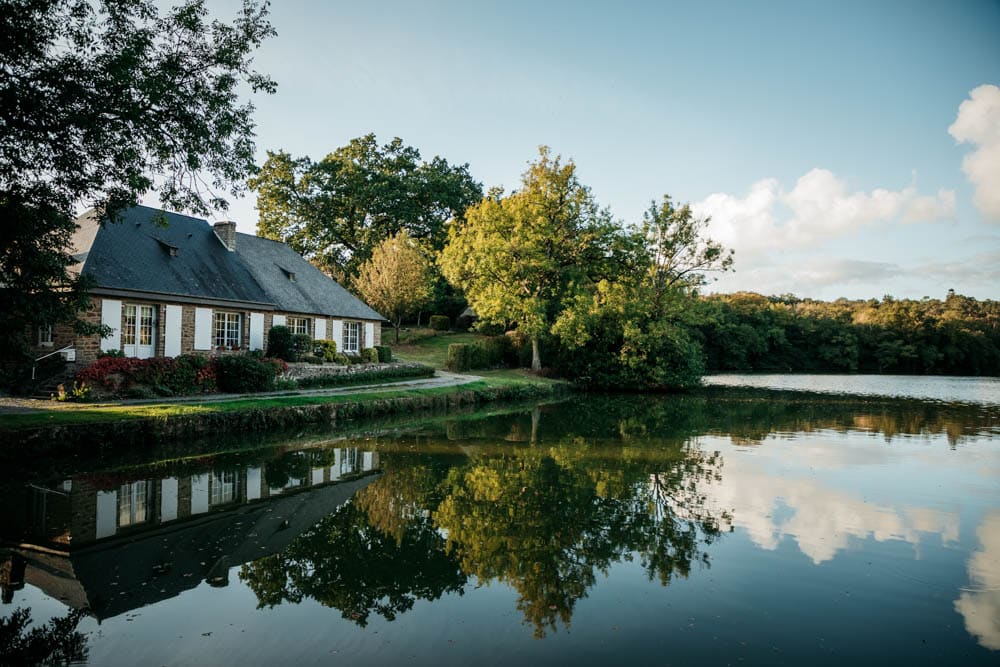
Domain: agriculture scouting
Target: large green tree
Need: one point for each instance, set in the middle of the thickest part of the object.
(396, 280)
(337, 210)
(100, 103)
(520, 257)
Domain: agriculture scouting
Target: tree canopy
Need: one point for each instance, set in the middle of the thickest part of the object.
(396, 280)
(519, 257)
(100, 103)
(337, 210)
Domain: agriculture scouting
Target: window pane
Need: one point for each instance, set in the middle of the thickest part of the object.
(128, 325)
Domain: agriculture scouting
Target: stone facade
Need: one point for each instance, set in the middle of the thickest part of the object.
(88, 347)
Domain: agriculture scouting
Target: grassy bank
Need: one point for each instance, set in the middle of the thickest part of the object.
(112, 427)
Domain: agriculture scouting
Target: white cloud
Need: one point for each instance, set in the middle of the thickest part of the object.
(819, 208)
(978, 123)
(980, 604)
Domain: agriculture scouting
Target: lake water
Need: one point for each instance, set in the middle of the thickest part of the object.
(735, 526)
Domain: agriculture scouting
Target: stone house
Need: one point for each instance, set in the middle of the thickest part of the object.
(168, 284)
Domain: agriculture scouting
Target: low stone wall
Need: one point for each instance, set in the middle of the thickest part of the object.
(297, 371)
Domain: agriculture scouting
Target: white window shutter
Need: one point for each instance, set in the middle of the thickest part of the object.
(369, 334)
(279, 321)
(256, 331)
(172, 332)
(203, 328)
(319, 328)
(111, 316)
(337, 334)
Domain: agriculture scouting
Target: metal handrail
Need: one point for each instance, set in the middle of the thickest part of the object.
(46, 356)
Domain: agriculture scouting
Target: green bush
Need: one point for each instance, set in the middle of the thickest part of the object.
(327, 349)
(440, 322)
(491, 352)
(241, 373)
(459, 357)
(311, 359)
(302, 345)
(355, 359)
(370, 355)
(343, 379)
(384, 354)
(279, 343)
(342, 359)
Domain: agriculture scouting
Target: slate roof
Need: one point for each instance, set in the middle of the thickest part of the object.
(274, 263)
(185, 257)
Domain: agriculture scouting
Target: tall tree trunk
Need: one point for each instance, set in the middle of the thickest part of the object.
(398, 324)
(536, 358)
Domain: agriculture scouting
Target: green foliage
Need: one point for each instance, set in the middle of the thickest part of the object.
(370, 355)
(623, 337)
(363, 377)
(746, 331)
(54, 643)
(337, 210)
(397, 279)
(384, 354)
(326, 349)
(97, 106)
(519, 257)
(440, 322)
(280, 344)
(342, 359)
(302, 345)
(310, 359)
(459, 357)
(241, 373)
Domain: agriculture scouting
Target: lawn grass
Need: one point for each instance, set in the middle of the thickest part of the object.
(88, 414)
(425, 346)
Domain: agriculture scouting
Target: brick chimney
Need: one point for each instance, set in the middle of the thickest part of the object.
(226, 231)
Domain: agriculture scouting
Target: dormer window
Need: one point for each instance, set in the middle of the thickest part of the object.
(288, 274)
(170, 249)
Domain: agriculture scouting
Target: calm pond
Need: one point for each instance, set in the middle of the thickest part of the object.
(731, 526)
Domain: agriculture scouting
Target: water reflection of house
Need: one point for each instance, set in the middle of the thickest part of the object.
(112, 543)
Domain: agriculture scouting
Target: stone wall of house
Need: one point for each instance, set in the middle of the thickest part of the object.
(88, 347)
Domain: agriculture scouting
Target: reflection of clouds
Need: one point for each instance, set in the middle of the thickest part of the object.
(820, 520)
(981, 607)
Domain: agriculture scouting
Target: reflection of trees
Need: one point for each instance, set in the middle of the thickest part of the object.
(346, 563)
(54, 643)
(547, 521)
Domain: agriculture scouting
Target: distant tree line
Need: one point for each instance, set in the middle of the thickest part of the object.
(749, 332)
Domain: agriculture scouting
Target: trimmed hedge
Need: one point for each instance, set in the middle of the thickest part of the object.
(384, 354)
(459, 357)
(241, 373)
(484, 354)
(345, 379)
(302, 345)
(370, 354)
(440, 322)
(279, 343)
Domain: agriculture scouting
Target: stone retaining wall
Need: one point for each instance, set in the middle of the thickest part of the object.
(297, 371)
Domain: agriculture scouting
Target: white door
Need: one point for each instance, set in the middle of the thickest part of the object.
(138, 331)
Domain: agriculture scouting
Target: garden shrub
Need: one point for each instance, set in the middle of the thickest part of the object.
(311, 359)
(342, 379)
(440, 322)
(279, 343)
(384, 354)
(241, 373)
(342, 359)
(370, 355)
(327, 349)
(302, 344)
(186, 374)
(459, 357)
(490, 352)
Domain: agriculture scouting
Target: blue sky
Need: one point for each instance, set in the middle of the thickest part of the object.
(815, 134)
